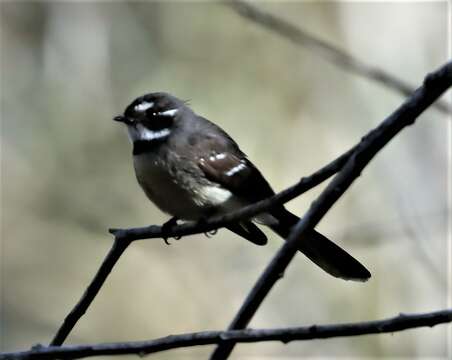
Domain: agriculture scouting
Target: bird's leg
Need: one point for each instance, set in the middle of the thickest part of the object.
(167, 227)
(210, 233)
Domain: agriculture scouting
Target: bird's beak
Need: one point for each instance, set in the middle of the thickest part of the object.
(120, 118)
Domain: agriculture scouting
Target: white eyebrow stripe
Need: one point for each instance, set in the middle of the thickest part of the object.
(170, 112)
(143, 106)
(236, 169)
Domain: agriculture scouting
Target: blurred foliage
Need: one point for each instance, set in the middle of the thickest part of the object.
(68, 67)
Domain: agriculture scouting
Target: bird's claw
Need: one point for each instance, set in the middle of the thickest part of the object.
(167, 227)
(210, 233)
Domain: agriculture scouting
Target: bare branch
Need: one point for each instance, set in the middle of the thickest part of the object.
(90, 293)
(435, 84)
(285, 335)
(324, 49)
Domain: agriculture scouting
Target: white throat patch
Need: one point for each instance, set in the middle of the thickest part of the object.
(142, 133)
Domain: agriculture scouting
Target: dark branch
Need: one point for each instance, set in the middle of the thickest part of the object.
(435, 84)
(324, 49)
(90, 293)
(285, 335)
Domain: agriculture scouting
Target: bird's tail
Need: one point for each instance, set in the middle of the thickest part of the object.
(323, 252)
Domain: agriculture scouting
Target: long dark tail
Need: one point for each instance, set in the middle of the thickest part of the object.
(323, 252)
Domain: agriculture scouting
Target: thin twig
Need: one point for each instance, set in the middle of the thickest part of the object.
(324, 49)
(285, 335)
(90, 293)
(435, 84)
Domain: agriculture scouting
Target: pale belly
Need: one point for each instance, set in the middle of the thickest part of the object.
(181, 196)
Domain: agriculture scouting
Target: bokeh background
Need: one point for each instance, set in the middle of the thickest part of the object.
(68, 67)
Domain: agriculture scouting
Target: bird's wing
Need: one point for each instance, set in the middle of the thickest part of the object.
(236, 174)
(223, 163)
(248, 231)
(226, 165)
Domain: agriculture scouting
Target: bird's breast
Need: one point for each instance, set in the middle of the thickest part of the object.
(180, 190)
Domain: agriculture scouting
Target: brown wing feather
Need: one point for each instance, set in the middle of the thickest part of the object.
(237, 174)
(218, 154)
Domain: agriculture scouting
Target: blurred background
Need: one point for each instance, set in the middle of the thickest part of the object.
(68, 67)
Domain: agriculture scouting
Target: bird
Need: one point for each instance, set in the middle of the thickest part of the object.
(191, 169)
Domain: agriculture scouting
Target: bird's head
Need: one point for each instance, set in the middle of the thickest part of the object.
(152, 117)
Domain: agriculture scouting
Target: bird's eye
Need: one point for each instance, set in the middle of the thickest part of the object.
(150, 113)
(155, 121)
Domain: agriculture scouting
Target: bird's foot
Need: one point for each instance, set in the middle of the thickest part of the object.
(167, 227)
(211, 233)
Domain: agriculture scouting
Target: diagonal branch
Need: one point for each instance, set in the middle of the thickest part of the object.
(324, 49)
(285, 335)
(435, 84)
(90, 293)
